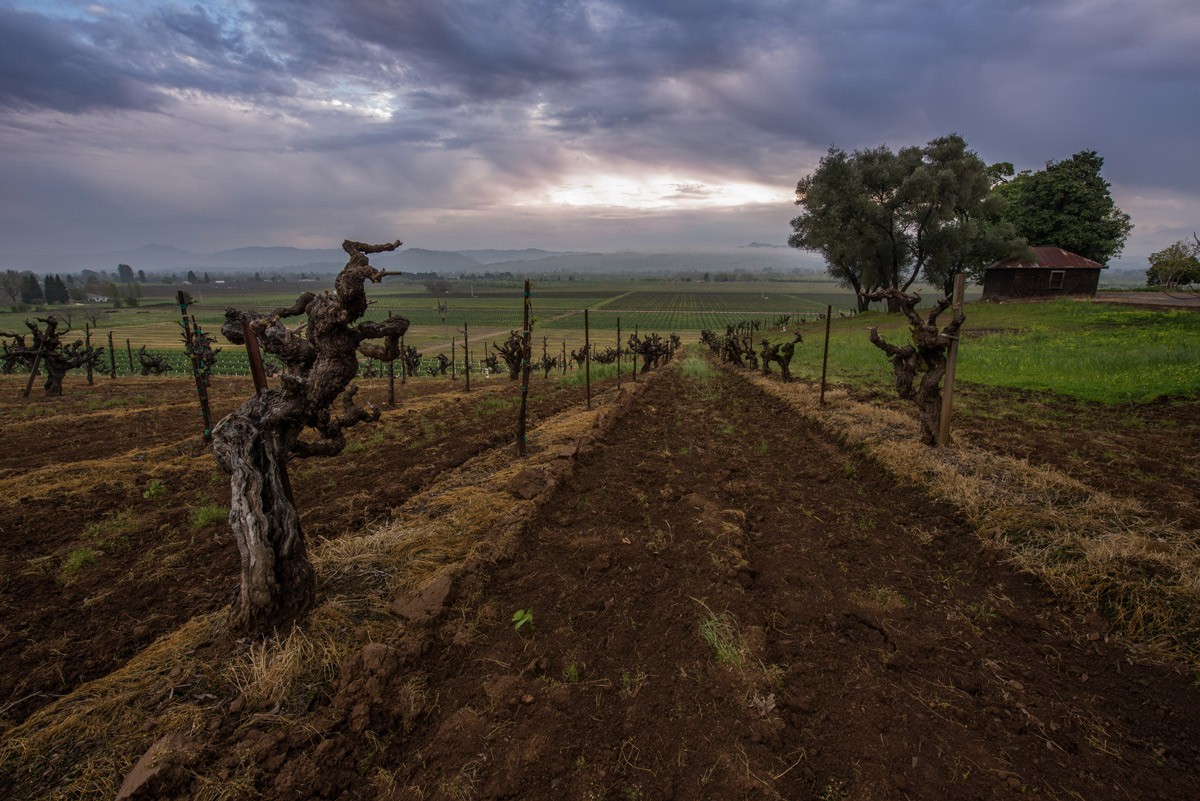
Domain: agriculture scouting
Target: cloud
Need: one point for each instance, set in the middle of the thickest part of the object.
(45, 65)
(268, 118)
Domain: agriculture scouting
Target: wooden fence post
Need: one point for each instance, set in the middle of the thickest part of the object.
(392, 377)
(87, 342)
(112, 356)
(951, 364)
(466, 356)
(33, 371)
(403, 363)
(254, 357)
(129, 352)
(825, 359)
(633, 355)
(526, 344)
(453, 359)
(618, 353)
(587, 351)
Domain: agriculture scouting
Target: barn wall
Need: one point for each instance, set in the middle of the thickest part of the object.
(1034, 282)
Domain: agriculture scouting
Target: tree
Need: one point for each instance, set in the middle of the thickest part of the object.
(31, 290)
(191, 277)
(437, 286)
(56, 290)
(1068, 205)
(254, 443)
(1175, 265)
(124, 273)
(10, 283)
(881, 218)
(973, 234)
(141, 276)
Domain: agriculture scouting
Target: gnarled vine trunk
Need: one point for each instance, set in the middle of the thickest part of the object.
(49, 352)
(924, 358)
(254, 444)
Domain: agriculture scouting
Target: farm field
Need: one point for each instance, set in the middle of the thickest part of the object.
(726, 600)
(489, 310)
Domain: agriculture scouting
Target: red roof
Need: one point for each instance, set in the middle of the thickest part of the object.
(1055, 258)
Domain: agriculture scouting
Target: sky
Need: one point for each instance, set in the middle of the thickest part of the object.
(598, 125)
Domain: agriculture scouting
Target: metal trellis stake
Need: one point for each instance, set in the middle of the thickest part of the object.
(189, 338)
(525, 353)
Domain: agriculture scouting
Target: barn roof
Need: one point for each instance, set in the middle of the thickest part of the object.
(1047, 257)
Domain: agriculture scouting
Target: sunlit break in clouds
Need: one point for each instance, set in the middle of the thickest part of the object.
(584, 125)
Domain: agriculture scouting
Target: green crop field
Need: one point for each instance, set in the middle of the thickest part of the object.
(1088, 350)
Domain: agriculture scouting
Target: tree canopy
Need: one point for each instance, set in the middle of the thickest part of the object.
(1176, 264)
(882, 218)
(1068, 205)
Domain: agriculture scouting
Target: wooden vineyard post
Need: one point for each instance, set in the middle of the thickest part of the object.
(198, 367)
(254, 356)
(618, 353)
(112, 356)
(129, 352)
(33, 371)
(825, 358)
(87, 341)
(525, 353)
(587, 356)
(951, 363)
(466, 357)
(453, 359)
(392, 377)
(633, 355)
(403, 363)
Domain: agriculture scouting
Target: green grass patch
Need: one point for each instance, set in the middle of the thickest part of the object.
(207, 515)
(599, 372)
(112, 532)
(1089, 351)
(77, 561)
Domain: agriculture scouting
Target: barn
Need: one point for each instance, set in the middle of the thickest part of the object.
(1053, 273)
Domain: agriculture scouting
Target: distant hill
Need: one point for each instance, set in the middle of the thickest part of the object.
(164, 258)
(528, 254)
(253, 259)
(668, 262)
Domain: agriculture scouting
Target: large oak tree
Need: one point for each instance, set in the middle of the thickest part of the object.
(1068, 205)
(882, 218)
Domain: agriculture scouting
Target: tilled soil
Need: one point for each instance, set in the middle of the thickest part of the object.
(723, 604)
(1146, 451)
(155, 568)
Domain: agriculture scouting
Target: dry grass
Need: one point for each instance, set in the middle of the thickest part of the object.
(88, 740)
(1096, 550)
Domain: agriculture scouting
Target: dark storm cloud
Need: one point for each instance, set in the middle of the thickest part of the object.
(462, 101)
(44, 64)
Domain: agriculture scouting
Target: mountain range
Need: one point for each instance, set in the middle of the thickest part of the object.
(755, 257)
